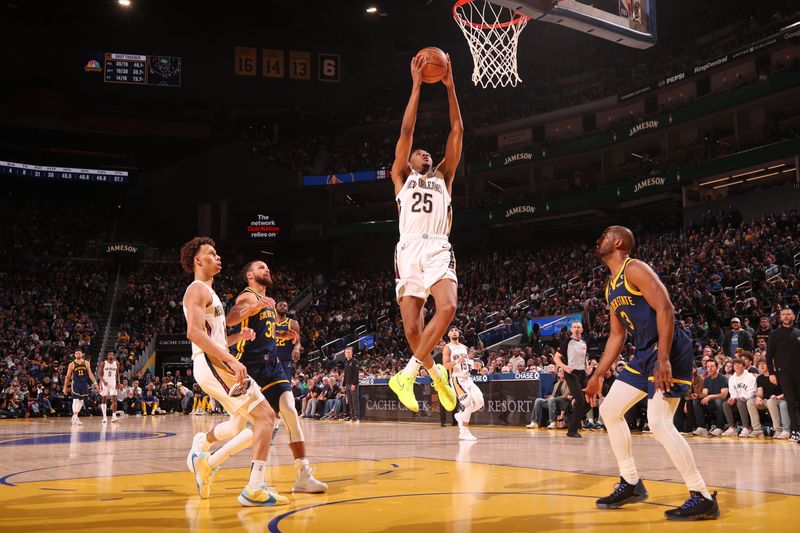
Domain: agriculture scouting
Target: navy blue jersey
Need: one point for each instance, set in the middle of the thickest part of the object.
(632, 309)
(80, 378)
(283, 341)
(262, 323)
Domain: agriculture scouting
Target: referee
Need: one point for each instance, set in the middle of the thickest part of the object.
(574, 349)
(783, 361)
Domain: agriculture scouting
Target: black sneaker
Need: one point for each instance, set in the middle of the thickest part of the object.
(697, 507)
(575, 435)
(624, 493)
(795, 436)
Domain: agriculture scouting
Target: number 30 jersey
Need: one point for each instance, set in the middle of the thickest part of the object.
(424, 206)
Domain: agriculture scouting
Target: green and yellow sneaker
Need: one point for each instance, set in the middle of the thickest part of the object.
(403, 386)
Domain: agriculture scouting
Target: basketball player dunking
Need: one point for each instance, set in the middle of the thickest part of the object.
(77, 380)
(218, 372)
(457, 361)
(253, 309)
(661, 369)
(109, 374)
(424, 260)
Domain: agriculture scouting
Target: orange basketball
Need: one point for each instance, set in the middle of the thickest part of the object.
(435, 65)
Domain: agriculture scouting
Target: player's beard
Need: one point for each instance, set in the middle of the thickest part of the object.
(426, 167)
(265, 282)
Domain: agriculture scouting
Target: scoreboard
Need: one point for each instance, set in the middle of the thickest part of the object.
(137, 69)
(84, 175)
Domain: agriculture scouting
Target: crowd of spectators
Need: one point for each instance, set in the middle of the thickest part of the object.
(723, 273)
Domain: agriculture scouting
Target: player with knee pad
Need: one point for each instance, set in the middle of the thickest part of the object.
(661, 369)
(254, 310)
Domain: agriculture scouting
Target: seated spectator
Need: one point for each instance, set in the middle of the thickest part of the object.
(742, 393)
(712, 399)
(149, 400)
(185, 398)
(770, 397)
(555, 403)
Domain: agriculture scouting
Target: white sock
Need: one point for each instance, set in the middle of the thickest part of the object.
(300, 464)
(660, 412)
(412, 367)
(258, 470)
(103, 409)
(619, 400)
(433, 371)
(238, 443)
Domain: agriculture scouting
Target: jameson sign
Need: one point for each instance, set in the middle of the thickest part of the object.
(643, 126)
(521, 210)
(518, 157)
(123, 249)
(649, 183)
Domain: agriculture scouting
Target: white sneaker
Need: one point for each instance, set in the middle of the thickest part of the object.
(306, 482)
(730, 432)
(754, 434)
(203, 474)
(532, 425)
(459, 418)
(76, 421)
(700, 432)
(114, 418)
(716, 432)
(746, 432)
(466, 435)
(196, 448)
(105, 420)
(783, 435)
(551, 425)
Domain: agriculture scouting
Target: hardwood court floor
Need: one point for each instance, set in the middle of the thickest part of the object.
(131, 476)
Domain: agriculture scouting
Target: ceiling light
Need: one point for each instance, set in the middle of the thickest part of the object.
(372, 9)
(125, 3)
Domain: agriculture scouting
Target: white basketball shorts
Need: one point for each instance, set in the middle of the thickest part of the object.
(420, 263)
(217, 381)
(109, 388)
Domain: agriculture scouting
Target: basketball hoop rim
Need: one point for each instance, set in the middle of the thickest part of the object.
(520, 19)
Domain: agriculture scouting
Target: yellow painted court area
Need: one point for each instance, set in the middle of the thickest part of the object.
(390, 495)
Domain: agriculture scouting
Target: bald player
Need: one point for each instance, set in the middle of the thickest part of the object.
(661, 370)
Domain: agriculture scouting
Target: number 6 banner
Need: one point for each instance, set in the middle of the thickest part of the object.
(329, 67)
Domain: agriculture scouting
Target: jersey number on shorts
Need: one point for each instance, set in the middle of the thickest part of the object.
(425, 200)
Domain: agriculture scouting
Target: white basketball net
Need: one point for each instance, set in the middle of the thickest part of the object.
(492, 32)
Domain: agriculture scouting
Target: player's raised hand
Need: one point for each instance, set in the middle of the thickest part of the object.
(416, 69)
(447, 80)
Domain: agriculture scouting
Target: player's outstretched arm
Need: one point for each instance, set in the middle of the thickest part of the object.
(616, 339)
(642, 277)
(68, 377)
(452, 152)
(401, 168)
(195, 301)
(294, 326)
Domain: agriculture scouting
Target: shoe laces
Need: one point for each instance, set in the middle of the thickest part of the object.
(620, 487)
(695, 498)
